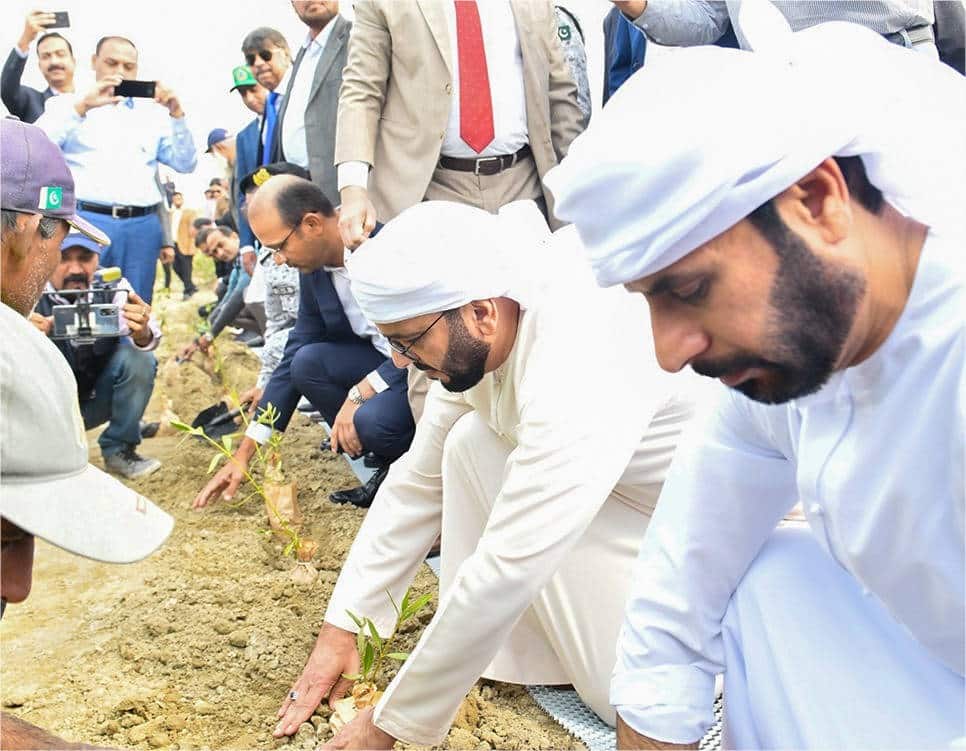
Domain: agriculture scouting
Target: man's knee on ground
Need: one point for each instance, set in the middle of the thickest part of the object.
(788, 558)
(462, 441)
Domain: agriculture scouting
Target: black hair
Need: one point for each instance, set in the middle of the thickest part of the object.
(201, 222)
(247, 183)
(227, 220)
(300, 197)
(767, 220)
(257, 39)
(177, 193)
(103, 40)
(202, 237)
(47, 227)
(55, 35)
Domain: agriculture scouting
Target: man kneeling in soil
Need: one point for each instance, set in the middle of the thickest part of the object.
(115, 375)
(539, 458)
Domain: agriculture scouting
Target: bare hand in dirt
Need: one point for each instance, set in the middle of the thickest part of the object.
(228, 478)
(334, 654)
(361, 733)
(357, 216)
(44, 324)
(344, 435)
(101, 95)
(137, 313)
(204, 343)
(187, 351)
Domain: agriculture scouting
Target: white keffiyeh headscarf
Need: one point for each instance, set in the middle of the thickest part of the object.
(699, 138)
(440, 255)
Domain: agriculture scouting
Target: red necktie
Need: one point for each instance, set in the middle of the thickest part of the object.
(476, 107)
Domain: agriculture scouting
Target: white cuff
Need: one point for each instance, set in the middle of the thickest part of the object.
(377, 382)
(23, 55)
(259, 433)
(670, 703)
(247, 249)
(354, 174)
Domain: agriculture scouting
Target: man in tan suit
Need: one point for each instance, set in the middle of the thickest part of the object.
(419, 120)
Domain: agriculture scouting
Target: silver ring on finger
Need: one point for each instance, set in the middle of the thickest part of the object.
(293, 695)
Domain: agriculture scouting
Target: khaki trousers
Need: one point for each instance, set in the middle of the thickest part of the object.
(569, 633)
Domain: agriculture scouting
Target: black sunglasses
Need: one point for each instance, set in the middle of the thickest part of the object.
(404, 350)
(266, 55)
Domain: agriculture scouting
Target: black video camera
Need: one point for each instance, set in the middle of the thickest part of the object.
(93, 313)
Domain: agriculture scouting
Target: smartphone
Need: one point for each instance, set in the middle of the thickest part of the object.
(61, 20)
(142, 89)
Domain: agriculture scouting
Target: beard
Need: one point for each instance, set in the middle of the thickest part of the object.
(813, 305)
(465, 361)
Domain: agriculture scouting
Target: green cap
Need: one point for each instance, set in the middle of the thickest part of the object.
(242, 76)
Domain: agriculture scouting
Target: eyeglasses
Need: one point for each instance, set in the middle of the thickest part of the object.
(280, 248)
(404, 350)
(266, 55)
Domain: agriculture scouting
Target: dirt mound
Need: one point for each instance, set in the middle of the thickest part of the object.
(196, 646)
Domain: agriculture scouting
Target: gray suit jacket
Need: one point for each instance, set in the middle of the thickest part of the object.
(321, 111)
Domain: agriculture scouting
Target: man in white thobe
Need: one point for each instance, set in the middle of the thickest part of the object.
(539, 456)
(814, 267)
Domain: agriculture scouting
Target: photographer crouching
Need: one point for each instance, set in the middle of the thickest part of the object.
(106, 333)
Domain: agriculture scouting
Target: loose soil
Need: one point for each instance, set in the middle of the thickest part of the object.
(195, 647)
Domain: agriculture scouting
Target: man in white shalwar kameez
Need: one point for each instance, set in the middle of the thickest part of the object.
(539, 456)
(807, 256)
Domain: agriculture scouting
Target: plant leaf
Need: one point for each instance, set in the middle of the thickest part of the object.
(214, 463)
(375, 633)
(401, 656)
(418, 604)
(355, 619)
(352, 677)
(182, 427)
(226, 442)
(394, 605)
(361, 642)
(368, 657)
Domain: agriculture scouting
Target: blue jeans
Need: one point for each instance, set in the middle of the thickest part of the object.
(121, 394)
(135, 247)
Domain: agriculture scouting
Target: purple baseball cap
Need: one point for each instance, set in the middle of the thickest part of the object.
(217, 135)
(36, 180)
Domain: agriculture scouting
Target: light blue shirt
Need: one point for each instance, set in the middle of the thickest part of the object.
(113, 152)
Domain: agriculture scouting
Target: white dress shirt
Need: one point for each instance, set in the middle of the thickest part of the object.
(293, 126)
(690, 22)
(876, 457)
(504, 63)
(113, 151)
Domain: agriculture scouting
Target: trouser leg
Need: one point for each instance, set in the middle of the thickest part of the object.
(569, 633)
(814, 661)
(325, 371)
(126, 384)
(183, 265)
(166, 270)
(385, 423)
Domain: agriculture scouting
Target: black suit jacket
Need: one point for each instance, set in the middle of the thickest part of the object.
(320, 319)
(22, 101)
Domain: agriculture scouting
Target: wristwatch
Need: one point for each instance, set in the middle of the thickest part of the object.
(355, 396)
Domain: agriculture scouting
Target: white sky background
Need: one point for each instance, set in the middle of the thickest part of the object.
(192, 45)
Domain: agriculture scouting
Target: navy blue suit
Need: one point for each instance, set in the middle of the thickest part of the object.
(21, 101)
(324, 358)
(248, 156)
(624, 48)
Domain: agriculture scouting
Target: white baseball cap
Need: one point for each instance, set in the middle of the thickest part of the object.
(47, 486)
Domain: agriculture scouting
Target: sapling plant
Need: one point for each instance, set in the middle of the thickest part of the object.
(374, 654)
(265, 476)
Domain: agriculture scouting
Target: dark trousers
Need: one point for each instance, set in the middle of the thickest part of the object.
(183, 266)
(325, 371)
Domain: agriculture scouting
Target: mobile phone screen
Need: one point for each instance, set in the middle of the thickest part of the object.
(143, 89)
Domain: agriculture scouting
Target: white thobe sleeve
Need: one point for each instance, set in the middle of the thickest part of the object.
(726, 491)
(570, 452)
(401, 526)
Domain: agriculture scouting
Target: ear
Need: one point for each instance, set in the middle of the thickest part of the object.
(93, 60)
(16, 244)
(819, 204)
(485, 315)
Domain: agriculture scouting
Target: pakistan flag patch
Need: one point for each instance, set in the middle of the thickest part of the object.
(51, 197)
(564, 33)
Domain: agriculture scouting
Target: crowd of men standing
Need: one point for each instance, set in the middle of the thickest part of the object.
(414, 202)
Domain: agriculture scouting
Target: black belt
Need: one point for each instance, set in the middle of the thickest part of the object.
(118, 212)
(485, 165)
(911, 37)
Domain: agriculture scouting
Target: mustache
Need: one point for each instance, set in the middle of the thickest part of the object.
(732, 364)
(76, 278)
(55, 66)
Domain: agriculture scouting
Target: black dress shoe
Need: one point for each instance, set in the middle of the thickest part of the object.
(149, 429)
(372, 461)
(362, 496)
(257, 341)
